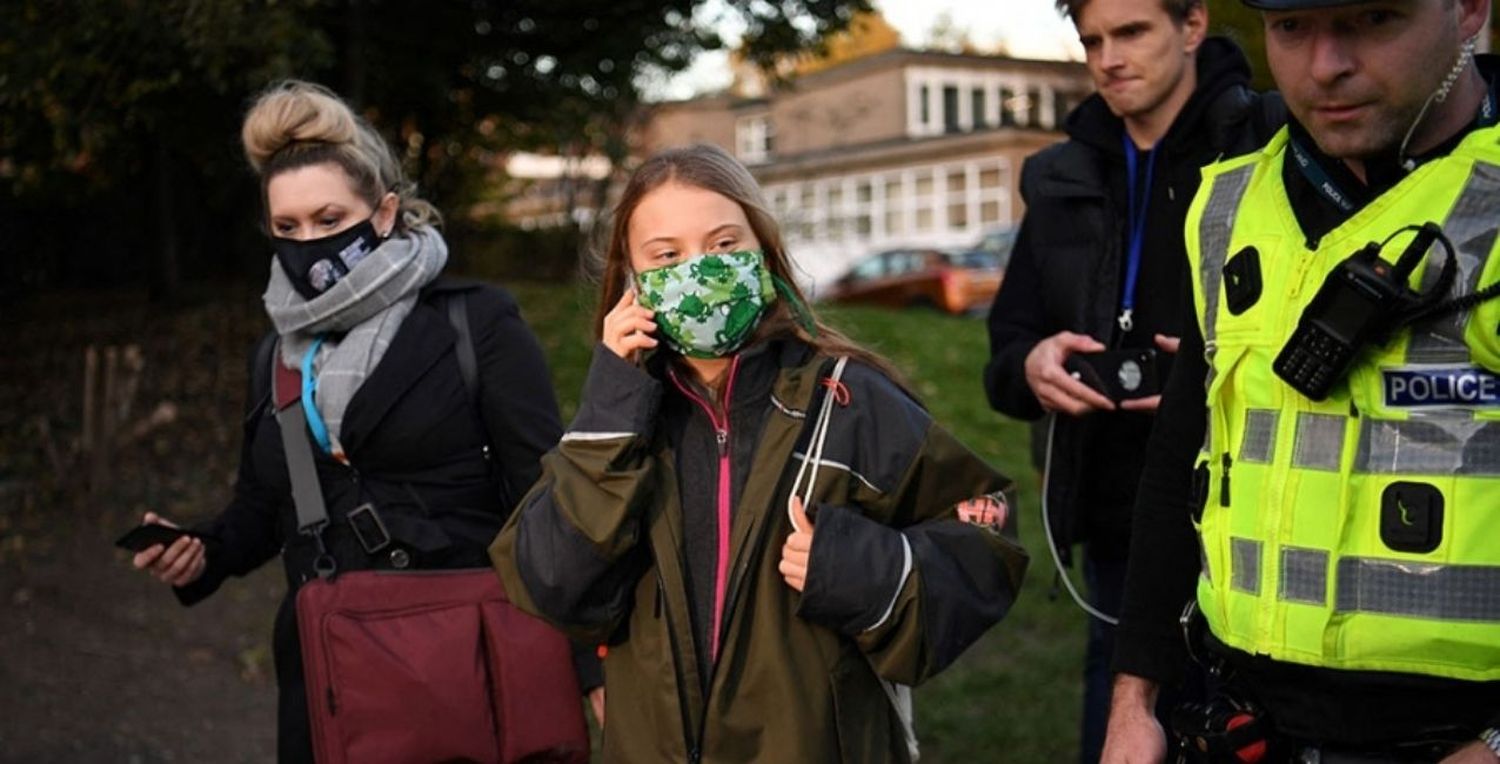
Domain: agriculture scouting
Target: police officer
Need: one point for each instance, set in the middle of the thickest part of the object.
(1344, 545)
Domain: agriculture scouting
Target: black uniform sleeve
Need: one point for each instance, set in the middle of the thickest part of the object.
(1164, 561)
(247, 533)
(1015, 326)
(516, 396)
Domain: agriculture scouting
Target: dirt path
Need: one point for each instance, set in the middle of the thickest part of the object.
(98, 662)
(101, 663)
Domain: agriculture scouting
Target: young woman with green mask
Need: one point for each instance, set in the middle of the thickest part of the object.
(763, 530)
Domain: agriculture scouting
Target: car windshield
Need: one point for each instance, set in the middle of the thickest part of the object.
(998, 243)
(974, 259)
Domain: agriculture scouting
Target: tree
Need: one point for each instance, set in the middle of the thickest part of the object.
(947, 35)
(127, 110)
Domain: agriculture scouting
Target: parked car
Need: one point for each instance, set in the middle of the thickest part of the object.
(998, 242)
(961, 281)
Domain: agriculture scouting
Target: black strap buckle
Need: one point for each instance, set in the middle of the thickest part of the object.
(368, 528)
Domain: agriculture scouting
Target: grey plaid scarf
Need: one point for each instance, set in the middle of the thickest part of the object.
(357, 316)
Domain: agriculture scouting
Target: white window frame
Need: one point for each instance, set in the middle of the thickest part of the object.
(752, 138)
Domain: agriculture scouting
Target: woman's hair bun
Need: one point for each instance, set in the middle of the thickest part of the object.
(291, 112)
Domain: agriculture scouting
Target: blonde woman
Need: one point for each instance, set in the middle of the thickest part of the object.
(357, 305)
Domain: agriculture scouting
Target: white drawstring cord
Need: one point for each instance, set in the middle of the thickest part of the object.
(1052, 543)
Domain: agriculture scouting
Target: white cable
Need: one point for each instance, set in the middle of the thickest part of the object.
(1465, 55)
(1052, 543)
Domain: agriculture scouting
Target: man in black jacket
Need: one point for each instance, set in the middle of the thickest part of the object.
(1099, 264)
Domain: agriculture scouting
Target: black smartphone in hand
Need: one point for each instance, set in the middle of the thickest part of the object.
(144, 536)
(1120, 375)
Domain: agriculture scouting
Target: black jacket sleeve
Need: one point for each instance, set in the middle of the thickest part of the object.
(897, 569)
(247, 533)
(571, 552)
(1164, 561)
(516, 397)
(1016, 324)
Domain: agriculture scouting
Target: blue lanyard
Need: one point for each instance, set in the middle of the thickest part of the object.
(1489, 115)
(1136, 228)
(309, 389)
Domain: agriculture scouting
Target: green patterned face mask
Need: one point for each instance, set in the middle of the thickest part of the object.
(707, 306)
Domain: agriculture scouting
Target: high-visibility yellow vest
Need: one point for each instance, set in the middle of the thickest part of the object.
(1362, 531)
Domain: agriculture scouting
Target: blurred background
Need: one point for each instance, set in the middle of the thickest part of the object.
(888, 136)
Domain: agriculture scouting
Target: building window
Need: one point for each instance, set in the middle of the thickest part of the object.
(807, 227)
(1007, 107)
(1034, 106)
(850, 216)
(976, 102)
(926, 111)
(950, 110)
(754, 137)
(1062, 103)
(836, 225)
(993, 194)
(957, 198)
(923, 203)
(895, 205)
(863, 202)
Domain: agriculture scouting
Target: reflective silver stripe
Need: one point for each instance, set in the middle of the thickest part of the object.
(1214, 229)
(589, 437)
(838, 466)
(1320, 441)
(1471, 226)
(788, 410)
(1304, 575)
(1259, 443)
(1244, 565)
(1203, 559)
(1440, 443)
(1400, 587)
(901, 584)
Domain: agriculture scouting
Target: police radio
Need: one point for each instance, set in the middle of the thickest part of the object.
(1362, 302)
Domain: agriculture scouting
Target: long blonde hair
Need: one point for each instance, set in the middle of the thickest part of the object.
(295, 124)
(713, 169)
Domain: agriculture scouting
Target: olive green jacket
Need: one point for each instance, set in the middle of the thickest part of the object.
(897, 583)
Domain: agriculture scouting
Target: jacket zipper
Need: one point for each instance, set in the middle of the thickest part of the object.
(721, 437)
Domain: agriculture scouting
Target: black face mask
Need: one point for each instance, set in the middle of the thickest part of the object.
(316, 264)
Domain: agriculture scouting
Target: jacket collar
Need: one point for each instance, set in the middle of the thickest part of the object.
(424, 337)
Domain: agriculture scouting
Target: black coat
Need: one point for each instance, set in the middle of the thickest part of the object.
(416, 451)
(1066, 272)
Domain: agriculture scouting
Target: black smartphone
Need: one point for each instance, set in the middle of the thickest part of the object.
(144, 536)
(1121, 375)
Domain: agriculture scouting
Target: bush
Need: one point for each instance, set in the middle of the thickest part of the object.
(507, 253)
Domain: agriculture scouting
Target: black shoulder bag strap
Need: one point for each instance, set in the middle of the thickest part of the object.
(468, 365)
(468, 368)
(307, 492)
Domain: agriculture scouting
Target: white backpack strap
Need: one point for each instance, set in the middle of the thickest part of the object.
(898, 694)
(814, 454)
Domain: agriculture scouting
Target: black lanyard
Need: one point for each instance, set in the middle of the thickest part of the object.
(1136, 227)
(1489, 115)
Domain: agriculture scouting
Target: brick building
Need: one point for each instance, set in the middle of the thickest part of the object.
(902, 147)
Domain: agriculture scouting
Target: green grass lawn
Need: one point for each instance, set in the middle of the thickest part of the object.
(1015, 695)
